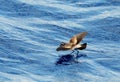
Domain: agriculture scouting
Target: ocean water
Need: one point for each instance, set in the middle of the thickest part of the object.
(31, 30)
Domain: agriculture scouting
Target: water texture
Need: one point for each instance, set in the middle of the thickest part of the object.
(31, 30)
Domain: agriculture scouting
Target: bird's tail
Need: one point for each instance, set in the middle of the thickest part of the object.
(83, 46)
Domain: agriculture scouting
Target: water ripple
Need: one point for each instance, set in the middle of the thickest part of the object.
(31, 30)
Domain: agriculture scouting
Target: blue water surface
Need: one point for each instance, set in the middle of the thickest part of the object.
(31, 30)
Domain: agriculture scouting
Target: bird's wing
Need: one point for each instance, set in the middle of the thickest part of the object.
(77, 38)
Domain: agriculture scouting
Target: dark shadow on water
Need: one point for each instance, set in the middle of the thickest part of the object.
(68, 59)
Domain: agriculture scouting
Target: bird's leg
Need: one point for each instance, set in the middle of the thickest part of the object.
(77, 54)
(72, 51)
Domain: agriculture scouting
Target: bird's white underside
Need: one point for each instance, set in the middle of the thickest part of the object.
(77, 46)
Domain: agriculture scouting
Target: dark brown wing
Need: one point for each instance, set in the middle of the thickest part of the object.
(77, 38)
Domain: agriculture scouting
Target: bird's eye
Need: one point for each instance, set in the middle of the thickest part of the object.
(62, 44)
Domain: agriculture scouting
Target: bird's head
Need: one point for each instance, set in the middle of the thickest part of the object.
(61, 46)
(64, 46)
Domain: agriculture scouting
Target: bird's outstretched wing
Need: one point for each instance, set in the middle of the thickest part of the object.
(77, 38)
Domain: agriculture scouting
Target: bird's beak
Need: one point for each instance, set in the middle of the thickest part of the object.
(57, 49)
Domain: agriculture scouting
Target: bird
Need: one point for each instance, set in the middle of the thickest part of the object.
(73, 43)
